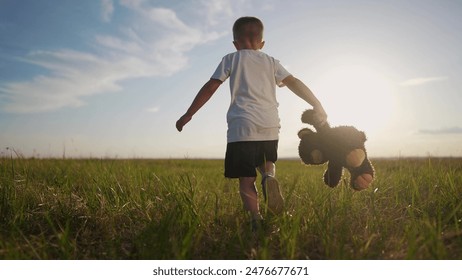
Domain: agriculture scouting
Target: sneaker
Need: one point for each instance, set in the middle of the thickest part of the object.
(272, 194)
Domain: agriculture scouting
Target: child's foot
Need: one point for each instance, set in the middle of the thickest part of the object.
(272, 194)
(257, 224)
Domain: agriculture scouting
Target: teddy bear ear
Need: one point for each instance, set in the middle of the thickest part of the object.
(317, 157)
(363, 136)
(305, 131)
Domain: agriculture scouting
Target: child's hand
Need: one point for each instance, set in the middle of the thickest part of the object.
(320, 115)
(182, 121)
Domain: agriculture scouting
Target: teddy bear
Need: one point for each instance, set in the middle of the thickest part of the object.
(341, 146)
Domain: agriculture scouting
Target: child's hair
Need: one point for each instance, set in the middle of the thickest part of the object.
(238, 27)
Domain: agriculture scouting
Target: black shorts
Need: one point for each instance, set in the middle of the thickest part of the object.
(243, 157)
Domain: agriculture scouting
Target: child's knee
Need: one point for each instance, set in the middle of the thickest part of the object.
(267, 169)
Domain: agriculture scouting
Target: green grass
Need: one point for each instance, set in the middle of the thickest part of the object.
(185, 209)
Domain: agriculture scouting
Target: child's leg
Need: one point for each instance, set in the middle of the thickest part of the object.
(249, 196)
(271, 189)
(267, 169)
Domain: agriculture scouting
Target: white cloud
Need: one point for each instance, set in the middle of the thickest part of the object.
(134, 4)
(154, 109)
(118, 44)
(422, 81)
(107, 9)
(74, 76)
(155, 44)
(217, 9)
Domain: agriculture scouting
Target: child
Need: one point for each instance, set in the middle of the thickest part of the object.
(253, 121)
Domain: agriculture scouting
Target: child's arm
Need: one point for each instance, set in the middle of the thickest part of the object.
(302, 91)
(202, 97)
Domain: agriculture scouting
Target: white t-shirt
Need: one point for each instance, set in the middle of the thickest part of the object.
(253, 112)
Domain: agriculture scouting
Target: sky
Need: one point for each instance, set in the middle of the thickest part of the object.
(109, 78)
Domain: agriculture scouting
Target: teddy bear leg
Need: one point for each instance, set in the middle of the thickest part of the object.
(362, 176)
(355, 158)
(333, 174)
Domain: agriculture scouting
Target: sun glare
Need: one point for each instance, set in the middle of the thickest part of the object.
(357, 95)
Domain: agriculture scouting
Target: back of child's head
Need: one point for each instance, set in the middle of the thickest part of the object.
(248, 27)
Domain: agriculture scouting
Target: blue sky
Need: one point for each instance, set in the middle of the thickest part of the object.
(110, 78)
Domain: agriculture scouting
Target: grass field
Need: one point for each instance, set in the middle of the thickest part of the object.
(185, 209)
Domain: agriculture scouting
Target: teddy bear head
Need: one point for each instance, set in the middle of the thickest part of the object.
(311, 148)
